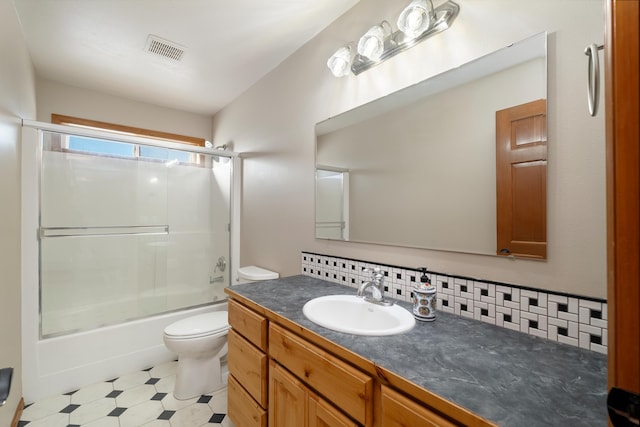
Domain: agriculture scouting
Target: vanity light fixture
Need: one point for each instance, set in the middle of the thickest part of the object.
(371, 45)
(416, 18)
(418, 21)
(341, 61)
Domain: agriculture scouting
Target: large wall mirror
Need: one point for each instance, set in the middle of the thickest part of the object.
(417, 168)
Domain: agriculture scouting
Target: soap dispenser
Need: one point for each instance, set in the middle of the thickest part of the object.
(424, 298)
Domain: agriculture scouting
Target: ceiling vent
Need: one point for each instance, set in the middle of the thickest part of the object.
(165, 48)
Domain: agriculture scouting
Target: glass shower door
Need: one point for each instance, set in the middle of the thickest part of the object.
(128, 231)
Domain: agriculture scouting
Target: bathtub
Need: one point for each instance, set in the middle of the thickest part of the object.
(61, 364)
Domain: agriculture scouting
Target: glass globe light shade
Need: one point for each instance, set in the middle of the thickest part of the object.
(340, 62)
(371, 45)
(416, 18)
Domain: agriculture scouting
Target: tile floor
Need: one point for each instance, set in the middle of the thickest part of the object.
(142, 398)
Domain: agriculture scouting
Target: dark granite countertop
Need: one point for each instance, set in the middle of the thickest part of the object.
(508, 377)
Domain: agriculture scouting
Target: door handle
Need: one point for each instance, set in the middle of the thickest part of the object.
(593, 77)
(623, 407)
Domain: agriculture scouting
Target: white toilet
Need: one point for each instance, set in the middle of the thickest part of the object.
(199, 341)
(252, 273)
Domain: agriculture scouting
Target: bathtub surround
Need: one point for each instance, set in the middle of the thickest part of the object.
(564, 318)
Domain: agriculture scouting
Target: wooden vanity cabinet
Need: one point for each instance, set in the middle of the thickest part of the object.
(280, 379)
(248, 367)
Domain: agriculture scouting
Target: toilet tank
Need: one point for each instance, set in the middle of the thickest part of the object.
(253, 273)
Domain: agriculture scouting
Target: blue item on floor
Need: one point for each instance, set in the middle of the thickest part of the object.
(5, 384)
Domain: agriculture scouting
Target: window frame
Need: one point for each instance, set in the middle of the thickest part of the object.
(59, 119)
(62, 143)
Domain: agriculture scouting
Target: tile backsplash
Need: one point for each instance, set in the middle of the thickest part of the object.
(569, 319)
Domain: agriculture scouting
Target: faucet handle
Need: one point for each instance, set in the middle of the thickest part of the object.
(374, 271)
(376, 274)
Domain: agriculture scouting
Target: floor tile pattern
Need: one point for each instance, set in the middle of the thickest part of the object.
(142, 398)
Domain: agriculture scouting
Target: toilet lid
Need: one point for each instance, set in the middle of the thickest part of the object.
(252, 272)
(196, 326)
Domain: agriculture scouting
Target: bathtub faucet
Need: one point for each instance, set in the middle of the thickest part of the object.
(221, 264)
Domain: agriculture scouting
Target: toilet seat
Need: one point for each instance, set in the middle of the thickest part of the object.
(199, 326)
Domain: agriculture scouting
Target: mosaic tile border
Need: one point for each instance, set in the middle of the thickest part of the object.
(565, 318)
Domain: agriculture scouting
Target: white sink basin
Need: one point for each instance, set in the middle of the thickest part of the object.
(353, 315)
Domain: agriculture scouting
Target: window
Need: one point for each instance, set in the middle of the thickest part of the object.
(98, 146)
(102, 147)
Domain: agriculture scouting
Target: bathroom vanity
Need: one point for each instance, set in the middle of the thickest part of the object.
(287, 371)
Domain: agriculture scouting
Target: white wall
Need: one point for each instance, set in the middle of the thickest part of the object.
(273, 123)
(58, 98)
(17, 100)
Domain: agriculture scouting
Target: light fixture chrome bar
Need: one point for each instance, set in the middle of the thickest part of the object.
(100, 231)
(399, 42)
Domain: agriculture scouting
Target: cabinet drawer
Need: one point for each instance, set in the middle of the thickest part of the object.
(400, 411)
(242, 409)
(345, 386)
(249, 324)
(249, 366)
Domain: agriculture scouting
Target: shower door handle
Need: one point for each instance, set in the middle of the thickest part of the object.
(593, 77)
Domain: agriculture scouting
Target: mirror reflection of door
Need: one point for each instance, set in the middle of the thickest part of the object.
(521, 175)
(332, 214)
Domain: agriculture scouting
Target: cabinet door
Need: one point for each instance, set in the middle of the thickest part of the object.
(348, 388)
(400, 411)
(322, 414)
(287, 398)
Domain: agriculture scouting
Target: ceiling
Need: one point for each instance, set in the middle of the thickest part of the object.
(228, 45)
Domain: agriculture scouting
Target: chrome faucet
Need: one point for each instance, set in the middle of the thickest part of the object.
(376, 285)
